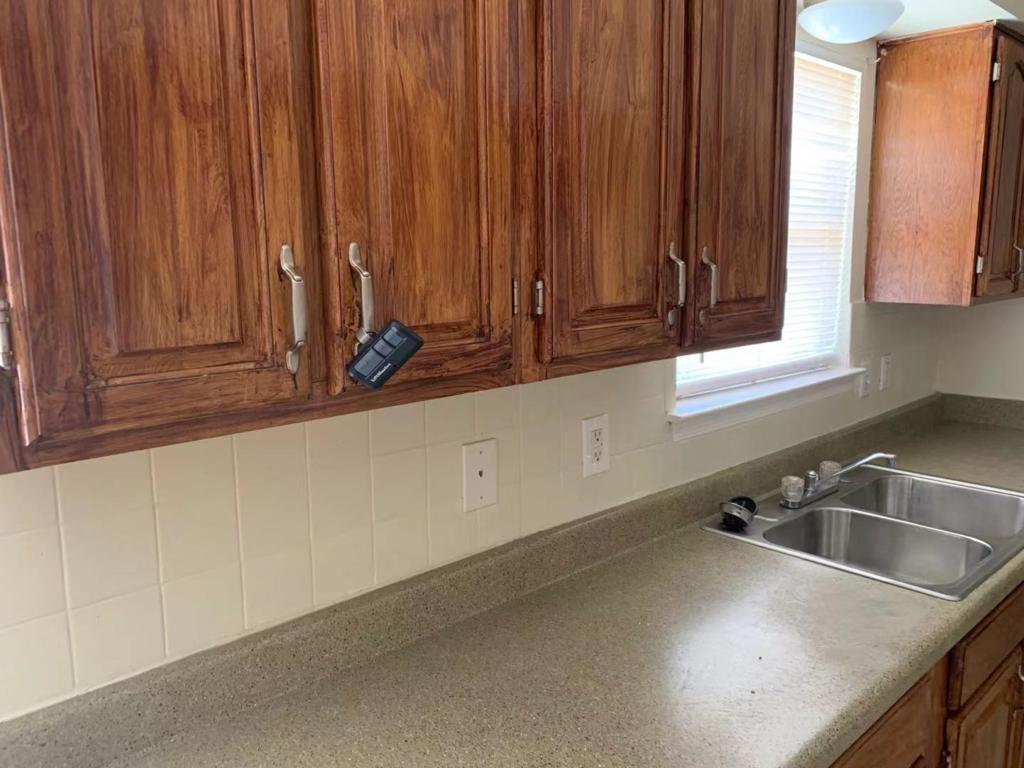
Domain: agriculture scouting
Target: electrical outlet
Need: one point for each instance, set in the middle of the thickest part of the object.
(479, 475)
(864, 383)
(596, 445)
(885, 372)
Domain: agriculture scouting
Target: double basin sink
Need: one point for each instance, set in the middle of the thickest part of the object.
(929, 534)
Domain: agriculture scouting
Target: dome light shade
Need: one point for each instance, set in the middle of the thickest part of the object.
(849, 21)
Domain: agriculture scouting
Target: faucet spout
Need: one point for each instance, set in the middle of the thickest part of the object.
(888, 458)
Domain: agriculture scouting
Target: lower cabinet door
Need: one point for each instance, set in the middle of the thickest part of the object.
(986, 733)
(910, 734)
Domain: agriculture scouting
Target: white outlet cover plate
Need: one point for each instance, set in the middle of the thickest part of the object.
(864, 384)
(592, 465)
(479, 475)
(885, 372)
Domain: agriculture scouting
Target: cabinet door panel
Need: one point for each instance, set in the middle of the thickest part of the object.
(419, 119)
(134, 229)
(746, 81)
(614, 137)
(1004, 210)
(982, 735)
(909, 735)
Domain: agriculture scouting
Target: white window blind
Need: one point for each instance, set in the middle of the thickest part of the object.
(826, 107)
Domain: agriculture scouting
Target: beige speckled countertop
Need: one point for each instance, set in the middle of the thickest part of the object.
(691, 650)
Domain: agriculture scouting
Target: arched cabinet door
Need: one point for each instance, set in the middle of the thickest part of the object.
(746, 88)
(151, 175)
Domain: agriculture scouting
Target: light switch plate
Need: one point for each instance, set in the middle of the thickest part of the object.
(596, 445)
(479, 475)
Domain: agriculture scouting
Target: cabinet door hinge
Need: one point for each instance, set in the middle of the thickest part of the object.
(6, 349)
(538, 297)
(515, 297)
(979, 265)
(997, 70)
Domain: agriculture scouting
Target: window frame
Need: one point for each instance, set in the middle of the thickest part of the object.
(826, 367)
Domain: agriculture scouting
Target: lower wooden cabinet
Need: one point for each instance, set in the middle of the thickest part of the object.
(967, 712)
(986, 733)
(910, 734)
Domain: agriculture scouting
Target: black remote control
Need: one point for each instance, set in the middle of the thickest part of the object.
(380, 358)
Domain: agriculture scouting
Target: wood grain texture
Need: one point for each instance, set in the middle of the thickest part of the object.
(985, 734)
(1002, 224)
(418, 111)
(909, 735)
(926, 183)
(978, 655)
(746, 87)
(136, 220)
(612, 79)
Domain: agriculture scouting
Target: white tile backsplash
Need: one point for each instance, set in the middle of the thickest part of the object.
(339, 475)
(27, 500)
(278, 586)
(197, 522)
(162, 553)
(451, 418)
(273, 490)
(31, 560)
(398, 428)
(37, 664)
(400, 485)
(113, 553)
(203, 609)
(116, 637)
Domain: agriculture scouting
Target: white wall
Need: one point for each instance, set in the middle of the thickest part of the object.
(112, 566)
(982, 350)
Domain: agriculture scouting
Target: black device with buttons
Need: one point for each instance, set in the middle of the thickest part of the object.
(382, 355)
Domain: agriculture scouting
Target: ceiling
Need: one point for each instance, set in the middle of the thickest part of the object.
(925, 15)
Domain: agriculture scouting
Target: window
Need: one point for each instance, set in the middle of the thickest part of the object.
(826, 113)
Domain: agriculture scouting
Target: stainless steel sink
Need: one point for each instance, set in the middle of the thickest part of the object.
(966, 510)
(930, 534)
(885, 547)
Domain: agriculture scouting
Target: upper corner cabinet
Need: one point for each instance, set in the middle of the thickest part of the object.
(151, 181)
(746, 62)
(418, 125)
(946, 224)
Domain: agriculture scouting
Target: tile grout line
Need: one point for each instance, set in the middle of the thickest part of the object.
(67, 582)
(238, 533)
(155, 518)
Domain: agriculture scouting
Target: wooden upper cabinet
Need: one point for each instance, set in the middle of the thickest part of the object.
(417, 124)
(746, 88)
(1002, 240)
(946, 223)
(613, 100)
(148, 148)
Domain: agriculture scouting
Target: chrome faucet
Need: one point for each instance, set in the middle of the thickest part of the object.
(890, 460)
(816, 488)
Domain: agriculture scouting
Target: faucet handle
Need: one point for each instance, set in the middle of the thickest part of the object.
(811, 480)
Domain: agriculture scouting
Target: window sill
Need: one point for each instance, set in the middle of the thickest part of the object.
(701, 414)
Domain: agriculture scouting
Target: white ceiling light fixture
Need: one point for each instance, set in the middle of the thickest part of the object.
(849, 21)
